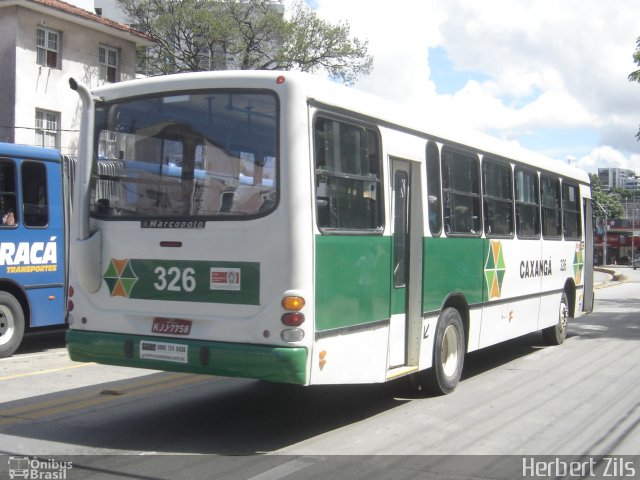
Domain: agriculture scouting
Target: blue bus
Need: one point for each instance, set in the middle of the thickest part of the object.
(33, 241)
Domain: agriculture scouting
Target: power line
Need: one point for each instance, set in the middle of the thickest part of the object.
(42, 129)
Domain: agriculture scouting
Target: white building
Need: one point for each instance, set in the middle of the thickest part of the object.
(611, 178)
(632, 183)
(44, 43)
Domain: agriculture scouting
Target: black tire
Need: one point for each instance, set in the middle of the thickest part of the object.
(11, 324)
(448, 356)
(557, 334)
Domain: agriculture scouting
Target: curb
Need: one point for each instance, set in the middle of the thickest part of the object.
(615, 276)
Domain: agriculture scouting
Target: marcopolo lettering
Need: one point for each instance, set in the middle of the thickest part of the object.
(24, 257)
(535, 268)
(185, 224)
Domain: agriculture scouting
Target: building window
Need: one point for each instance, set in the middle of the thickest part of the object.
(48, 47)
(108, 145)
(109, 62)
(47, 131)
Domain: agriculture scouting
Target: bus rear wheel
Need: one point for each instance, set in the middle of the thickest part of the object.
(448, 356)
(11, 324)
(558, 333)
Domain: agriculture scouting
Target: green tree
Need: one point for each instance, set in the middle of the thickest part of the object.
(635, 76)
(603, 200)
(197, 35)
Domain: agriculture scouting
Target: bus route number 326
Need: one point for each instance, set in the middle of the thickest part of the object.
(175, 279)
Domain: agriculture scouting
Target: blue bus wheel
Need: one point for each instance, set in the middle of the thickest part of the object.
(11, 324)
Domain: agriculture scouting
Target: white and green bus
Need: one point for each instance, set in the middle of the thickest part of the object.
(281, 227)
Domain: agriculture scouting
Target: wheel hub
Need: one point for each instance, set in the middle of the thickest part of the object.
(450, 351)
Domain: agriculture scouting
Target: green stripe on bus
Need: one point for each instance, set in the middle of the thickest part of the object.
(353, 280)
(453, 265)
(353, 276)
(264, 362)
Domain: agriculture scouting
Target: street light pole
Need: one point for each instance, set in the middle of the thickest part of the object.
(604, 234)
(631, 211)
(604, 243)
(633, 231)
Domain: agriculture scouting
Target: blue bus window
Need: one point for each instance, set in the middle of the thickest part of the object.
(35, 206)
(8, 193)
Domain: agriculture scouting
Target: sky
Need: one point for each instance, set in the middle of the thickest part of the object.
(549, 75)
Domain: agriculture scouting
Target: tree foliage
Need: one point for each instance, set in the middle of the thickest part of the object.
(197, 35)
(604, 201)
(635, 76)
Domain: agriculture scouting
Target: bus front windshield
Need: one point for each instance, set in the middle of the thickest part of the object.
(210, 155)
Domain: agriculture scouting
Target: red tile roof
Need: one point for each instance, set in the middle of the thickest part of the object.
(84, 14)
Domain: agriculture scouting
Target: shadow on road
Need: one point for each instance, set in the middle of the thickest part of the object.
(481, 361)
(231, 416)
(241, 417)
(216, 416)
(42, 340)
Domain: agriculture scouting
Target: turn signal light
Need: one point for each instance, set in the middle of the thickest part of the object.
(293, 304)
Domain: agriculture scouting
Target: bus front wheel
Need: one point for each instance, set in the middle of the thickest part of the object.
(448, 356)
(11, 324)
(558, 333)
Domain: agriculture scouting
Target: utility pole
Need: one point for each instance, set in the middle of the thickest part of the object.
(604, 233)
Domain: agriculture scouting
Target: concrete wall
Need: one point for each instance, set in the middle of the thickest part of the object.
(7, 78)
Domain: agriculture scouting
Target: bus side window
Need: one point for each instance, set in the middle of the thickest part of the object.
(461, 192)
(498, 198)
(348, 181)
(35, 205)
(551, 220)
(571, 214)
(434, 190)
(8, 202)
(527, 203)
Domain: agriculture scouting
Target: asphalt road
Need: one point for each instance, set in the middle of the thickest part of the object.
(516, 400)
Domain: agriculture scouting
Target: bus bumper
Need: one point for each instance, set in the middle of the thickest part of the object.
(263, 362)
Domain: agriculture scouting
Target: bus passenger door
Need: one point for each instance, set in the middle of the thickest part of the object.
(401, 214)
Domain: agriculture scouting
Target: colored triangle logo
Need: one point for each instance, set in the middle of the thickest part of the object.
(120, 278)
(578, 263)
(494, 269)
